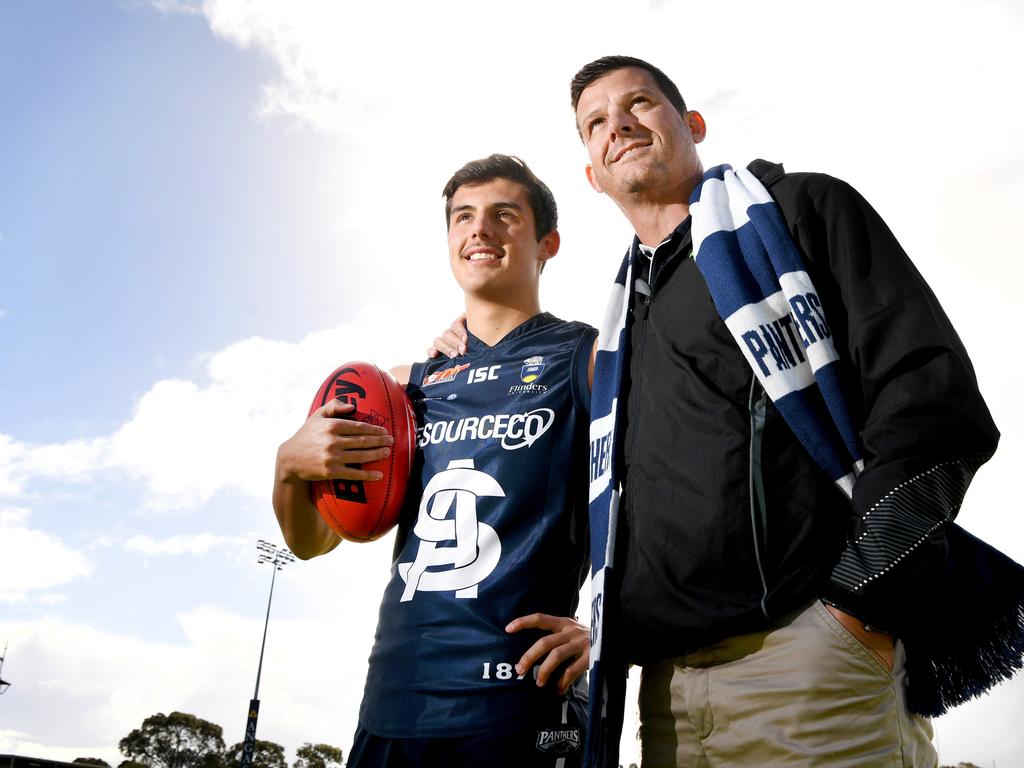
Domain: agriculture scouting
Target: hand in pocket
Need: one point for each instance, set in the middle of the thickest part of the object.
(879, 644)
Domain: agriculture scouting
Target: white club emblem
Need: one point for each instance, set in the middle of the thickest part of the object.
(477, 548)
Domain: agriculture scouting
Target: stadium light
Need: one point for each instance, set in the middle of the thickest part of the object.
(4, 685)
(278, 558)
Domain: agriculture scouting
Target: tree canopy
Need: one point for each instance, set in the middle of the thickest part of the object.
(265, 754)
(181, 740)
(177, 740)
(317, 756)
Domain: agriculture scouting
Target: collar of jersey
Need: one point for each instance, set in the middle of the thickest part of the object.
(537, 321)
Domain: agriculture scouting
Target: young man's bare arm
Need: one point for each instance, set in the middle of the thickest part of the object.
(324, 448)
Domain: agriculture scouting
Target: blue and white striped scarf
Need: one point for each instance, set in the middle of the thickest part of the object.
(765, 296)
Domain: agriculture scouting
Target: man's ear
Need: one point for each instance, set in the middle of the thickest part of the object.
(549, 245)
(593, 179)
(698, 128)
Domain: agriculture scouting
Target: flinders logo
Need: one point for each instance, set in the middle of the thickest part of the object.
(561, 741)
(519, 389)
(533, 367)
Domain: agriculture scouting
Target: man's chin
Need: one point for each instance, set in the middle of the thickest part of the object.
(627, 176)
(643, 181)
(636, 186)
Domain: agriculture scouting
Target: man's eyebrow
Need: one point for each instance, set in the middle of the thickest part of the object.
(584, 119)
(640, 90)
(499, 204)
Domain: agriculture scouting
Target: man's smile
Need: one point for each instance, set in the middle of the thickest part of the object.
(630, 149)
(482, 253)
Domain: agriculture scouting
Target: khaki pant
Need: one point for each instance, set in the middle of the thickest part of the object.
(805, 693)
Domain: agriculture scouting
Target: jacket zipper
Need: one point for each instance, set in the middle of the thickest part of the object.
(758, 509)
(642, 309)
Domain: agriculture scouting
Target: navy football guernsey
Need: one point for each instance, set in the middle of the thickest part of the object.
(494, 528)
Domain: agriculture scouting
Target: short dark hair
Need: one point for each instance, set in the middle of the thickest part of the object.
(598, 68)
(545, 212)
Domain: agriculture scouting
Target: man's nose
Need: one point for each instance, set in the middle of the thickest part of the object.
(622, 121)
(483, 228)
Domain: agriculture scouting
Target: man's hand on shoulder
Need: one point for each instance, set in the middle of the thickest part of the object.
(452, 342)
(591, 365)
(568, 641)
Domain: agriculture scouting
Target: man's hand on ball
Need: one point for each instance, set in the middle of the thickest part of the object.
(452, 342)
(568, 641)
(328, 443)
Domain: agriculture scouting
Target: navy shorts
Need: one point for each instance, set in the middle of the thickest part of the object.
(554, 740)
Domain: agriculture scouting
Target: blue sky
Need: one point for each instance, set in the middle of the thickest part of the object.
(152, 212)
(206, 205)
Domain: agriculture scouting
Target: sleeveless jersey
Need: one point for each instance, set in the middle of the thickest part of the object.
(494, 528)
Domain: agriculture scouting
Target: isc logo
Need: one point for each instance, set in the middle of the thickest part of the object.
(484, 374)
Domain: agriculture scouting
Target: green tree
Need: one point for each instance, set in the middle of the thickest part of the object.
(91, 761)
(265, 754)
(177, 740)
(318, 756)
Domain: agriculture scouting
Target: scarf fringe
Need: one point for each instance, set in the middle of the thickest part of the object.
(939, 679)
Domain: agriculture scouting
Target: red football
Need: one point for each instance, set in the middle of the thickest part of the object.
(357, 510)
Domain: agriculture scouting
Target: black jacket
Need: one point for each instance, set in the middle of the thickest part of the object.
(730, 524)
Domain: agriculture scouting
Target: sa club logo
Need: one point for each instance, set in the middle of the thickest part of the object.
(533, 367)
(451, 535)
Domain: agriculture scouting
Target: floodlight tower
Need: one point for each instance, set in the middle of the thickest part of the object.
(278, 558)
(4, 685)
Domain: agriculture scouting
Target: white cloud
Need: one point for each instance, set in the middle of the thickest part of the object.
(77, 690)
(12, 516)
(185, 544)
(350, 68)
(188, 440)
(188, 7)
(16, 743)
(50, 599)
(10, 453)
(34, 560)
(74, 460)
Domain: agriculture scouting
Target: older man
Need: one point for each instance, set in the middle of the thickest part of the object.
(789, 422)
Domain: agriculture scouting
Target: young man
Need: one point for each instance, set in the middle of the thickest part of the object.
(475, 661)
(774, 603)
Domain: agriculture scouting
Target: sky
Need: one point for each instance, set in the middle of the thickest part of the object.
(207, 205)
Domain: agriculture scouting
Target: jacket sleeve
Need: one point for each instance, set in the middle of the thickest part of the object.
(926, 428)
